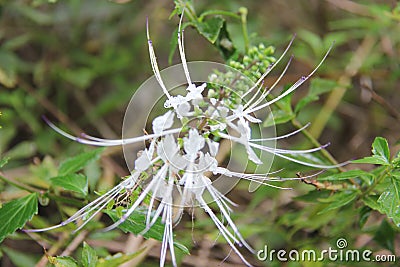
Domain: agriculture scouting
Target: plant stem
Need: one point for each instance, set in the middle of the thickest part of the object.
(243, 13)
(219, 12)
(19, 185)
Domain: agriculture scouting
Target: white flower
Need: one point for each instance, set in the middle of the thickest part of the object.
(163, 122)
(193, 144)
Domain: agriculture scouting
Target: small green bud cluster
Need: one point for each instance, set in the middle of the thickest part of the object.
(251, 66)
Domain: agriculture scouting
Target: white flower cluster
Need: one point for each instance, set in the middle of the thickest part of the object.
(179, 159)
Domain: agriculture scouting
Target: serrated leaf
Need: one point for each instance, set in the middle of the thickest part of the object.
(338, 200)
(390, 204)
(344, 175)
(210, 28)
(64, 261)
(74, 182)
(380, 153)
(14, 214)
(136, 223)
(396, 187)
(77, 163)
(89, 256)
(117, 259)
(380, 148)
(318, 87)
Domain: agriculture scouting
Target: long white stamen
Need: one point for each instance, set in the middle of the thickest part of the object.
(221, 206)
(222, 229)
(106, 198)
(139, 200)
(182, 50)
(154, 65)
(282, 136)
(111, 142)
(285, 151)
(292, 88)
(273, 86)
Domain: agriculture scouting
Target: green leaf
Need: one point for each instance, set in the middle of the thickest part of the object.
(283, 114)
(372, 202)
(371, 160)
(380, 153)
(345, 175)
(80, 77)
(318, 87)
(389, 201)
(210, 28)
(364, 213)
(24, 149)
(385, 235)
(14, 214)
(313, 195)
(89, 256)
(396, 186)
(225, 44)
(390, 204)
(396, 161)
(278, 117)
(37, 16)
(77, 163)
(73, 182)
(63, 261)
(3, 162)
(117, 259)
(136, 223)
(338, 200)
(20, 258)
(380, 148)
(8, 68)
(173, 45)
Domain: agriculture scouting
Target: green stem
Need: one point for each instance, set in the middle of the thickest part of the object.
(243, 13)
(190, 13)
(19, 185)
(219, 12)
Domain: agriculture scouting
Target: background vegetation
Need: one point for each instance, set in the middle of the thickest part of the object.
(79, 62)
